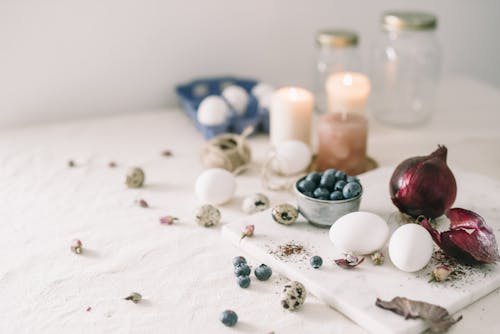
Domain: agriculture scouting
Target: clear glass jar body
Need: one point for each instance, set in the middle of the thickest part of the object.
(330, 60)
(405, 70)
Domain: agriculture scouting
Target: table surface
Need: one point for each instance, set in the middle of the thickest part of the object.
(183, 271)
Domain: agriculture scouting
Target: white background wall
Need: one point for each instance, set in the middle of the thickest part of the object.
(67, 58)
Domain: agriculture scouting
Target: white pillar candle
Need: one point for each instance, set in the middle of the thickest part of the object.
(347, 92)
(291, 115)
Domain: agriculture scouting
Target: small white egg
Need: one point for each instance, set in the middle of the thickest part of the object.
(359, 233)
(237, 97)
(264, 93)
(213, 110)
(215, 186)
(410, 247)
(292, 156)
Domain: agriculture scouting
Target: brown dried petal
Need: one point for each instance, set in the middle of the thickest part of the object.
(437, 316)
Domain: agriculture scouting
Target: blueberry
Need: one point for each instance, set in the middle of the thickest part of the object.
(330, 171)
(308, 194)
(316, 261)
(352, 179)
(306, 185)
(239, 260)
(314, 177)
(340, 185)
(243, 281)
(263, 272)
(352, 189)
(328, 181)
(340, 175)
(228, 318)
(242, 270)
(321, 193)
(336, 195)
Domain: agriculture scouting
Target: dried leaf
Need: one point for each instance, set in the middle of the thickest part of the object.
(437, 316)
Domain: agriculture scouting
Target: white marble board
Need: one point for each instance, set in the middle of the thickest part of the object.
(353, 292)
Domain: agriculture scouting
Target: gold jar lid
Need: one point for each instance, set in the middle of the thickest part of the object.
(408, 20)
(337, 38)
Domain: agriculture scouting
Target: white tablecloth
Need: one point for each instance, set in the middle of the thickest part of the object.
(183, 271)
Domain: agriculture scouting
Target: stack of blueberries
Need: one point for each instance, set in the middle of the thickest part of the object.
(330, 185)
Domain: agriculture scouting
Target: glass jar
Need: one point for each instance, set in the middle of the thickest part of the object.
(337, 51)
(405, 69)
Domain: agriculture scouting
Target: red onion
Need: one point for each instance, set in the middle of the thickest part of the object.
(469, 238)
(424, 185)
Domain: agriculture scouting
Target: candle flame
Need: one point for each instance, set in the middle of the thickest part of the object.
(294, 94)
(347, 80)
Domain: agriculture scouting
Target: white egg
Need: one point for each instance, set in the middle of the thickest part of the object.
(215, 186)
(237, 97)
(410, 247)
(213, 110)
(263, 92)
(292, 156)
(359, 233)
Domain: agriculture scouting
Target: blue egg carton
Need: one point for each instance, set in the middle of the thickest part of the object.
(192, 93)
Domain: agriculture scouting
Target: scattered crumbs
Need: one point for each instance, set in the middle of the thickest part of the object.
(112, 164)
(463, 275)
(71, 163)
(166, 153)
(88, 309)
(291, 250)
(143, 204)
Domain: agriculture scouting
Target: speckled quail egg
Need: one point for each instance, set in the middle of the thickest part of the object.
(255, 203)
(285, 214)
(207, 215)
(293, 295)
(135, 178)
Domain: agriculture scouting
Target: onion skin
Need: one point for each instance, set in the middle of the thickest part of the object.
(469, 239)
(424, 186)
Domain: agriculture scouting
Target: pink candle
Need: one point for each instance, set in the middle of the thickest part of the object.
(342, 142)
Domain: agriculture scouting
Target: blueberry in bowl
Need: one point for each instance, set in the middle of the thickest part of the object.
(335, 195)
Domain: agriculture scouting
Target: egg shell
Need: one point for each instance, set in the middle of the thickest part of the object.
(237, 97)
(213, 110)
(359, 233)
(292, 157)
(215, 186)
(410, 247)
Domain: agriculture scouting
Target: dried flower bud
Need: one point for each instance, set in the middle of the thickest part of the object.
(349, 261)
(248, 231)
(168, 220)
(135, 297)
(76, 246)
(142, 203)
(112, 164)
(441, 273)
(378, 258)
(71, 163)
(135, 178)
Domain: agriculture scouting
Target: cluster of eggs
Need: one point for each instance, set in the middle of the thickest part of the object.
(410, 245)
(215, 110)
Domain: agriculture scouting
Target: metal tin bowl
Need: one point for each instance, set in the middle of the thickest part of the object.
(323, 213)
